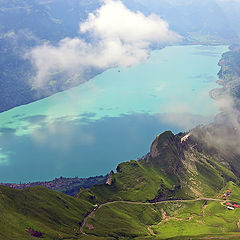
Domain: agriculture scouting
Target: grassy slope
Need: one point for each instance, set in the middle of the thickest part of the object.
(123, 220)
(173, 220)
(173, 171)
(52, 213)
(136, 182)
(198, 175)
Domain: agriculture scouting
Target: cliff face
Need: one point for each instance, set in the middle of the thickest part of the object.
(110, 179)
(167, 152)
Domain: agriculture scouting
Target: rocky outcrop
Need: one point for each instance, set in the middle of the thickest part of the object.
(167, 151)
(110, 179)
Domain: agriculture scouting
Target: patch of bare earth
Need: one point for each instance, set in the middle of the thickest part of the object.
(204, 208)
(90, 226)
(238, 224)
(166, 218)
(34, 233)
(151, 231)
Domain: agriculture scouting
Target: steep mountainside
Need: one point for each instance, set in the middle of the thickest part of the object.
(177, 185)
(208, 21)
(24, 25)
(174, 169)
(229, 74)
(39, 210)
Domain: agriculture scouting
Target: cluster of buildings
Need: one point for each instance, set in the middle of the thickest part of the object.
(230, 206)
(56, 184)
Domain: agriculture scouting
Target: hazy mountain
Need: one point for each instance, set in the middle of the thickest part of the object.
(194, 19)
(27, 24)
(24, 25)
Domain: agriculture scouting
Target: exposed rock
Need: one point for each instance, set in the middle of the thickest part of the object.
(90, 226)
(185, 138)
(110, 179)
(167, 152)
(118, 169)
(34, 233)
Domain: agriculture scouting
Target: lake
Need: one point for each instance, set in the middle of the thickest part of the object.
(114, 117)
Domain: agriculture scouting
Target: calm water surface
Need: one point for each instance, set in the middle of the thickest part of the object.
(114, 117)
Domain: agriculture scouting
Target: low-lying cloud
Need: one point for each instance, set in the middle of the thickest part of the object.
(119, 37)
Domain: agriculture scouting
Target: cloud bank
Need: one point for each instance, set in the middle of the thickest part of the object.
(119, 37)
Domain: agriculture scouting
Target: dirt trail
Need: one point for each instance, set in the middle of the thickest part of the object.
(166, 218)
(238, 224)
(151, 231)
(89, 215)
(204, 207)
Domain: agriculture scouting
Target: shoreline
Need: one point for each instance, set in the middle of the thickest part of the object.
(101, 71)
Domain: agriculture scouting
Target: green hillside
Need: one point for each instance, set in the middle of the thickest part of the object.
(173, 193)
(173, 170)
(180, 171)
(54, 214)
(164, 220)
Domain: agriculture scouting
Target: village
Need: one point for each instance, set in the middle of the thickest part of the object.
(70, 186)
(230, 205)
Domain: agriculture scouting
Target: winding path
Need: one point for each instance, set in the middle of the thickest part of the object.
(139, 203)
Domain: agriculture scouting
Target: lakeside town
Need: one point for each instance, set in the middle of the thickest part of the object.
(70, 186)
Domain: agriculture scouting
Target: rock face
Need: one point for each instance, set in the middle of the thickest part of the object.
(167, 151)
(110, 179)
(166, 141)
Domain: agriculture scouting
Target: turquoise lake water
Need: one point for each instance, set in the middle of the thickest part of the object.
(114, 117)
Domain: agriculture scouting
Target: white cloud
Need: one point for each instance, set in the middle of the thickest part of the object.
(119, 36)
(114, 21)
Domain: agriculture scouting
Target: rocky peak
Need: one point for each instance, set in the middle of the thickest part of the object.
(167, 151)
(166, 141)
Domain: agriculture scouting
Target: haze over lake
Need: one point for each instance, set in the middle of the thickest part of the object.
(112, 118)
